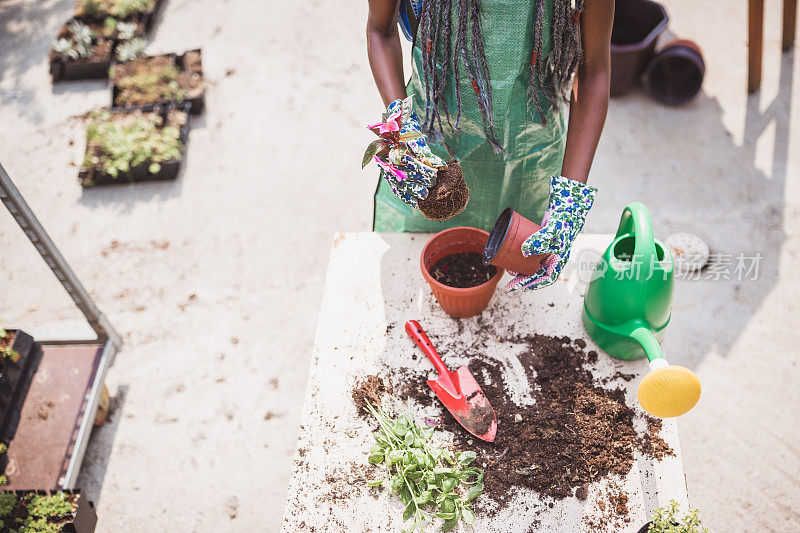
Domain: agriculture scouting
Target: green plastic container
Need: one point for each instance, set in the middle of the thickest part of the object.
(628, 302)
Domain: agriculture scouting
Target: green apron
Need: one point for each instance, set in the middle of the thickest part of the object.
(519, 178)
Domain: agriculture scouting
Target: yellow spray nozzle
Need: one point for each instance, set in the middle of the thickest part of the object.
(669, 391)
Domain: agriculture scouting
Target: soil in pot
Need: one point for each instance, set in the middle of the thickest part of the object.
(147, 80)
(448, 196)
(575, 432)
(462, 270)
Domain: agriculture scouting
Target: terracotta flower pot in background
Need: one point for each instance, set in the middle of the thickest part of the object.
(461, 303)
(504, 245)
(675, 75)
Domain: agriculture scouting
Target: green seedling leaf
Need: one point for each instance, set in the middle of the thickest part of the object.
(375, 458)
(449, 484)
(397, 483)
(376, 449)
(447, 506)
(438, 471)
(465, 458)
(424, 497)
(409, 439)
(473, 492)
(400, 429)
(374, 482)
(372, 150)
(395, 456)
(409, 512)
(450, 524)
(410, 136)
(468, 515)
(446, 516)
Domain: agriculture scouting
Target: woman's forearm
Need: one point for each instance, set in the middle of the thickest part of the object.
(587, 115)
(590, 93)
(384, 51)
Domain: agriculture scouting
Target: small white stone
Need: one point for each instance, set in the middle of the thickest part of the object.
(517, 417)
(469, 442)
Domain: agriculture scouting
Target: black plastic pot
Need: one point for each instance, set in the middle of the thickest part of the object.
(644, 528)
(83, 519)
(91, 177)
(15, 380)
(675, 75)
(65, 69)
(198, 102)
(637, 25)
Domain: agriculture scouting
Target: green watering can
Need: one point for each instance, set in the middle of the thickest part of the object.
(627, 307)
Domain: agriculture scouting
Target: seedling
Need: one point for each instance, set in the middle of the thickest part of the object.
(6, 351)
(119, 145)
(78, 42)
(149, 86)
(432, 482)
(127, 8)
(131, 49)
(124, 30)
(666, 520)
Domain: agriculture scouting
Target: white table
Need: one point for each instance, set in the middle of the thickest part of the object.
(373, 286)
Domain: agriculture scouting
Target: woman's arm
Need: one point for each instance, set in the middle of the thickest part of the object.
(590, 92)
(384, 51)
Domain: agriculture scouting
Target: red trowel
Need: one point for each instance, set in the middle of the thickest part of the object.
(458, 390)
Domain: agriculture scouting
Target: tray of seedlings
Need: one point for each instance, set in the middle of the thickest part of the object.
(128, 145)
(159, 80)
(46, 512)
(139, 11)
(19, 359)
(80, 53)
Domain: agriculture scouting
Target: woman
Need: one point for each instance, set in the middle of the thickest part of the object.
(489, 79)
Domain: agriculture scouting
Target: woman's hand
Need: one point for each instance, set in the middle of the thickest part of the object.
(384, 51)
(569, 204)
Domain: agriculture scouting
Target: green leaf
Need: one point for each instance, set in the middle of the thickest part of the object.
(375, 458)
(409, 438)
(465, 458)
(446, 516)
(443, 471)
(374, 482)
(424, 497)
(400, 429)
(409, 512)
(450, 524)
(468, 515)
(397, 483)
(449, 484)
(376, 449)
(473, 492)
(372, 150)
(447, 506)
(395, 456)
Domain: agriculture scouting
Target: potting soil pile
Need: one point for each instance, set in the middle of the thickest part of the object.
(462, 270)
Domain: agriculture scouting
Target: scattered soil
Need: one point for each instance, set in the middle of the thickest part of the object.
(576, 433)
(610, 512)
(448, 196)
(651, 442)
(369, 391)
(462, 270)
(479, 419)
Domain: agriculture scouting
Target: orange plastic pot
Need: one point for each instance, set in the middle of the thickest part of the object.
(461, 303)
(504, 245)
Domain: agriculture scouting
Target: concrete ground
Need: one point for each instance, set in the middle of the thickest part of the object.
(215, 280)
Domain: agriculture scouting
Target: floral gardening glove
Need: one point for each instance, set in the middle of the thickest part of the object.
(402, 153)
(570, 202)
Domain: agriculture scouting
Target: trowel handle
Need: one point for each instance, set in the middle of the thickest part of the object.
(416, 332)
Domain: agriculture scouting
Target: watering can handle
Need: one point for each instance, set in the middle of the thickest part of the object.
(636, 219)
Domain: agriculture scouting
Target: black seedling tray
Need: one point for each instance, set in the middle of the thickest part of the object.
(198, 102)
(84, 517)
(66, 69)
(15, 380)
(169, 169)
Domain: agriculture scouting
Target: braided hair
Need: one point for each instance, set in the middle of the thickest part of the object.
(550, 76)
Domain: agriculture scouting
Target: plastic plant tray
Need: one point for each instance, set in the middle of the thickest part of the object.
(57, 417)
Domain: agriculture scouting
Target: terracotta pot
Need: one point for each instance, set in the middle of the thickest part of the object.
(504, 246)
(461, 303)
(675, 75)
